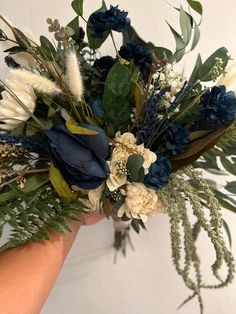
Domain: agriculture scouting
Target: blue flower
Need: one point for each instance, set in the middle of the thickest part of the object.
(112, 19)
(80, 158)
(218, 106)
(27, 143)
(103, 65)
(176, 138)
(159, 173)
(141, 55)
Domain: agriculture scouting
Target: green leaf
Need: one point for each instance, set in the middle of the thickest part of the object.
(231, 187)
(186, 26)
(116, 97)
(180, 44)
(74, 128)
(106, 204)
(34, 182)
(59, 184)
(197, 148)
(14, 50)
(26, 43)
(74, 25)
(134, 165)
(195, 74)
(7, 196)
(196, 6)
(47, 50)
(208, 65)
(95, 42)
(230, 167)
(163, 53)
(135, 225)
(77, 6)
(196, 36)
(57, 227)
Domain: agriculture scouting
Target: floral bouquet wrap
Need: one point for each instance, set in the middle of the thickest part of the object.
(123, 135)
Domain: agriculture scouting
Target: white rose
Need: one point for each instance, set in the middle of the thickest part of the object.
(140, 202)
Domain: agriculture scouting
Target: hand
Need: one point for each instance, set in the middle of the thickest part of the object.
(93, 218)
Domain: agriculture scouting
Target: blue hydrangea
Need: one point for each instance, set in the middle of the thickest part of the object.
(141, 55)
(103, 65)
(110, 20)
(218, 107)
(176, 138)
(159, 173)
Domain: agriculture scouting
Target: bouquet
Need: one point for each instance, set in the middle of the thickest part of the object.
(124, 135)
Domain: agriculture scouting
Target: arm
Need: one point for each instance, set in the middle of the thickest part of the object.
(28, 273)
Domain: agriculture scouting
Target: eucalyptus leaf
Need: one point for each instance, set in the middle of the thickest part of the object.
(196, 6)
(46, 50)
(186, 26)
(77, 6)
(196, 36)
(116, 97)
(163, 53)
(134, 165)
(180, 44)
(195, 74)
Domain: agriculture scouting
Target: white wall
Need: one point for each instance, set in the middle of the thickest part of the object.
(145, 282)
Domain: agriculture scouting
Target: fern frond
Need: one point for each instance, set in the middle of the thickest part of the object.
(31, 216)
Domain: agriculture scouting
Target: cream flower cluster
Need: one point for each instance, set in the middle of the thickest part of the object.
(140, 202)
(125, 146)
(168, 77)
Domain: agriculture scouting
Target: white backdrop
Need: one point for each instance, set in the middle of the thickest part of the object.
(145, 282)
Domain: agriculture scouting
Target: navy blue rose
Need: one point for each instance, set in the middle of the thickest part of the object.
(80, 158)
(141, 55)
(218, 106)
(159, 173)
(110, 20)
(176, 138)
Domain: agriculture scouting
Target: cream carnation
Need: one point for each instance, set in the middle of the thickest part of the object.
(140, 202)
(125, 146)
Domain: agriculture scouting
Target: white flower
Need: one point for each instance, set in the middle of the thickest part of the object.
(11, 112)
(140, 202)
(125, 146)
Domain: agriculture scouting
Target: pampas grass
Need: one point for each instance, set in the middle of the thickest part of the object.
(36, 81)
(73, 76)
